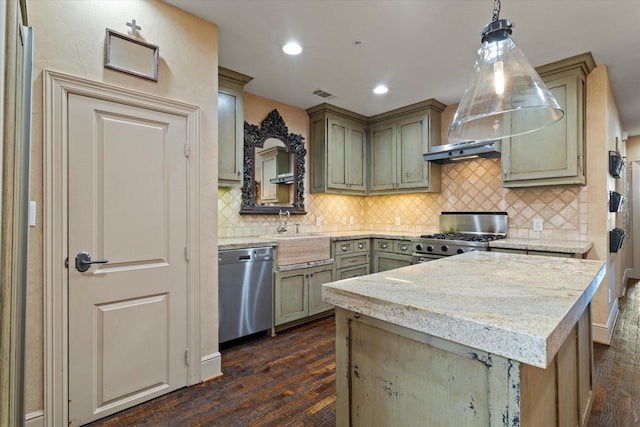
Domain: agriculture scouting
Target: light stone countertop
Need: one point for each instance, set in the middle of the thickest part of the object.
(245, 243)
(521, 307)
(369, 234)
(564, 246)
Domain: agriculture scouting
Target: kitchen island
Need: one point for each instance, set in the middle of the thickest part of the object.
(479, 339)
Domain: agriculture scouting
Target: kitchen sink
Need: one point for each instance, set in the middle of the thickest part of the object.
(301, 248)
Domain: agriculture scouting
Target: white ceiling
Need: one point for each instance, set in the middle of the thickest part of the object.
(421, 49)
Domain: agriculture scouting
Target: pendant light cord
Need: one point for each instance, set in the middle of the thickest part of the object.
(496, 10)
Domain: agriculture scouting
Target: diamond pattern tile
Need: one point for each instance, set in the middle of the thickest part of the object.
(466, 186)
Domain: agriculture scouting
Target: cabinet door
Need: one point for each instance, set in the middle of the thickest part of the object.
(553, 155)
(291, 299)
(230, 137)
(383, 158)
(346, 156)
(383, 261)
(356, 156)
(336, 154)
(317, 277)
(412, 143)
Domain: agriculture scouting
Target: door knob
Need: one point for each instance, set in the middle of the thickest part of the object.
(83, 261)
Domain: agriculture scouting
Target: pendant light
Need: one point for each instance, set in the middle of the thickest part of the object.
(506, 96)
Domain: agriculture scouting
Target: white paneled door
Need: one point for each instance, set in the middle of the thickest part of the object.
(127, 192)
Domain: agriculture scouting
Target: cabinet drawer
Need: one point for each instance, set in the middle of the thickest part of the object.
(347, 273)
(383, 245)
(350, 246)
(352, 260)
(402, 247)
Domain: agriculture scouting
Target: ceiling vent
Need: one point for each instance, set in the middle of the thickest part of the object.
(323, 94)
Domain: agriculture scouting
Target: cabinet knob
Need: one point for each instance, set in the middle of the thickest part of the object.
(344, 248)
(384, 245)
(360, 245)
(404, 247)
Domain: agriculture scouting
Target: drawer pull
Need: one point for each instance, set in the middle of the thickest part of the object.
(345, 248)
(384, 245)
(404, 247)
(360, 245)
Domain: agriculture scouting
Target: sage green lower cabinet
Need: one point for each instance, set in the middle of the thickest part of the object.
(556, 154)
(389, 254)
(389, 375)
(298, 293)
(352, 257)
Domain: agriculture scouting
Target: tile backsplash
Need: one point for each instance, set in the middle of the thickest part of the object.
(466, 186)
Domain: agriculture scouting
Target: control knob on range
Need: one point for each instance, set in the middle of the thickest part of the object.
(444, 248)
(430, 248)
(419, 247)
(460, 251)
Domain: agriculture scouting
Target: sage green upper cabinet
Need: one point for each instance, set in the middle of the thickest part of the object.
(554, 155)
(337, 151)
(230, 126)
(399, 138)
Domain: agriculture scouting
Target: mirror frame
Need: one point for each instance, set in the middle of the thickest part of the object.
(272, 126)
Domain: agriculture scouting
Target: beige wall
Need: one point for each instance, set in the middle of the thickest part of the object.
(69, 38)
(604, 133)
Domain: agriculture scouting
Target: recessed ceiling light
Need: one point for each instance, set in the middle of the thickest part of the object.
(292, 48)
(380, 89)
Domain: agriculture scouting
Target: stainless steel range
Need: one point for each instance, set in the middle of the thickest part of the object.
(460, 232)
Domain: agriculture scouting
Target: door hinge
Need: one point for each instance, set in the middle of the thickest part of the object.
(186, 253)
(186, 357)
(187, 149)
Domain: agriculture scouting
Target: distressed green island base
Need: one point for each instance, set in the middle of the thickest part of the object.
(388, 375)
(480, 339)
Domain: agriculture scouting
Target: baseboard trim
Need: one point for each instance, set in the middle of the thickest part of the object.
(211, 366)
(34, 419)
(602, 333)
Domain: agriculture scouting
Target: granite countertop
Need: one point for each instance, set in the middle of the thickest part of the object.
(565, 246)
(245, 242)
(501, 303)
(369, 234)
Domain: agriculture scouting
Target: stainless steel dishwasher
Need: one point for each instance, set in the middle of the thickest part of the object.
(245, 283)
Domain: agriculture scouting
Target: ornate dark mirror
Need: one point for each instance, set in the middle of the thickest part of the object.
(273, 168)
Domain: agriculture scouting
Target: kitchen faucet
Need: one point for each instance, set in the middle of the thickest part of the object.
(284, 215)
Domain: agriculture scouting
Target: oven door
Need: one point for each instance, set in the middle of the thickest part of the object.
(420, 258)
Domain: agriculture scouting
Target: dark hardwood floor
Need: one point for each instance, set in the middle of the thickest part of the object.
(617, 369)
(289, 380)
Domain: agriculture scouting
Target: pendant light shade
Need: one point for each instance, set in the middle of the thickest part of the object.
(506, 96)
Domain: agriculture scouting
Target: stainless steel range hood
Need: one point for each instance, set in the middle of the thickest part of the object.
(463, 151)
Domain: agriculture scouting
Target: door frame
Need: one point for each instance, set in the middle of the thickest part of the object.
(57, 87)
(634, 231)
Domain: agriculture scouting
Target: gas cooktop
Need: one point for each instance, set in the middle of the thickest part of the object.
(465, 237)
